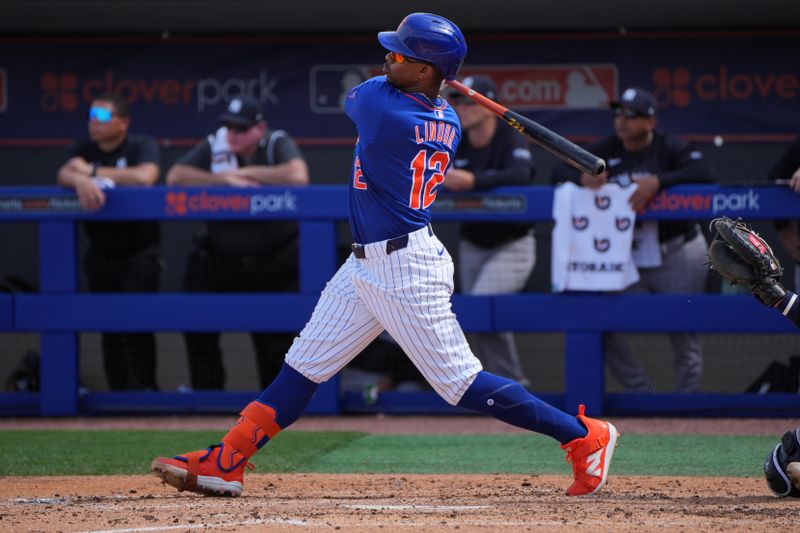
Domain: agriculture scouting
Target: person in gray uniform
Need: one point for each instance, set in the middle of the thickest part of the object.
(669, 254)
(494, 258)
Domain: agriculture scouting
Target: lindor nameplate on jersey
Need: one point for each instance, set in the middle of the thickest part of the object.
(592, 238)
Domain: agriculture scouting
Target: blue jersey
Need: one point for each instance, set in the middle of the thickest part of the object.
(405, 146)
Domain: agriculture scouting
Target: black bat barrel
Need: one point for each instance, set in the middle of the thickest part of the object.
(554, 143)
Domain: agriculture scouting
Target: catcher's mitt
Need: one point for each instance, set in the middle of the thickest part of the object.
(741, 256)
(782, 467)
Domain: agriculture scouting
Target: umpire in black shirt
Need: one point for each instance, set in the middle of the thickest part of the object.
(122, 256)
(669, 255)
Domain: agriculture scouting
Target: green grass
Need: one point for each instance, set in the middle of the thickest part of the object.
(34, 453)
(43, 453)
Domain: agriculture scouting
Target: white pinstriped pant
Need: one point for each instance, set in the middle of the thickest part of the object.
(407, 293)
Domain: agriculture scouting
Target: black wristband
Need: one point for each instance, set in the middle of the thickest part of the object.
(95, 166)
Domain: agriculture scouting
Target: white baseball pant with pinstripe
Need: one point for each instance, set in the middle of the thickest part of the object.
(407, 293)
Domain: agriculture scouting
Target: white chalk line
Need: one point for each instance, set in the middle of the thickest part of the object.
(368, 507)
(218, 525)
(41, 501)
(72, 499)
(482, 524)
(426, 508)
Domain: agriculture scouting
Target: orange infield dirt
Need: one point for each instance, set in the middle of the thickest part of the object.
(395, 503)
(399, 502)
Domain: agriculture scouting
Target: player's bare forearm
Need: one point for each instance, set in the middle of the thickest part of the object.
(291, 173)
(647, 188)
(73, 171)
(794, 181)
(459, 180)
(89, 195)
(69, 177)
(189, 176)
(143, 175)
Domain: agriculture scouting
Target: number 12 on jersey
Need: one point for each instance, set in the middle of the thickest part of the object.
(427, 173)
(425, 188)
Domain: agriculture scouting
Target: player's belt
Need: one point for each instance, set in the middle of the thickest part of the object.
(392, 245)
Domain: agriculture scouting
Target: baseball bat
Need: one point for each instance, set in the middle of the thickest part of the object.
(554, 143)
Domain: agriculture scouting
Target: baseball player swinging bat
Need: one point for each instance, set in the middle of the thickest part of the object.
(549, 140)
(398, 278)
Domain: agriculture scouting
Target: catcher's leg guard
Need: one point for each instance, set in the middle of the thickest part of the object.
(219, 470)
(780, 480)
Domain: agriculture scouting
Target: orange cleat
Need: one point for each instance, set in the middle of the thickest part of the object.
(214, 471)
(590, 455)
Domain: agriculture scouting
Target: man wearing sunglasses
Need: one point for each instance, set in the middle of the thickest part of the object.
(669, 255)
(121, 256)
(494, 258)
(241, 256)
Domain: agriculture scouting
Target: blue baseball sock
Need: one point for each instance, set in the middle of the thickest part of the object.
(508, 401)
(289, 394)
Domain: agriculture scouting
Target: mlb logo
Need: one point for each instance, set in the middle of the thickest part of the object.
(330, 85)
(3, 90)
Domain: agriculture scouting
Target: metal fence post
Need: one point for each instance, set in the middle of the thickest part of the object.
(318, 262)
(58, 273)
(584, 373)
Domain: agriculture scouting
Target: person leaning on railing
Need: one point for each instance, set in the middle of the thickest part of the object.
(669, 254)
(122, 256)
(241, 256)
(494, 258)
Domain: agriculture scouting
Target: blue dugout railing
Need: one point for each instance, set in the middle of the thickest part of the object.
(59, 312)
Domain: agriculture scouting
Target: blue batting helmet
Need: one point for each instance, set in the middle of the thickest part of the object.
(430, 38)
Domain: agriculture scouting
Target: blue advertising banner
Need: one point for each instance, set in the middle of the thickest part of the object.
(329, 202)
(740, 86)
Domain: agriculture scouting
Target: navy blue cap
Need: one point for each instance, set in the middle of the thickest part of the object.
(242, 110)
(638, 100)
(481, 84)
